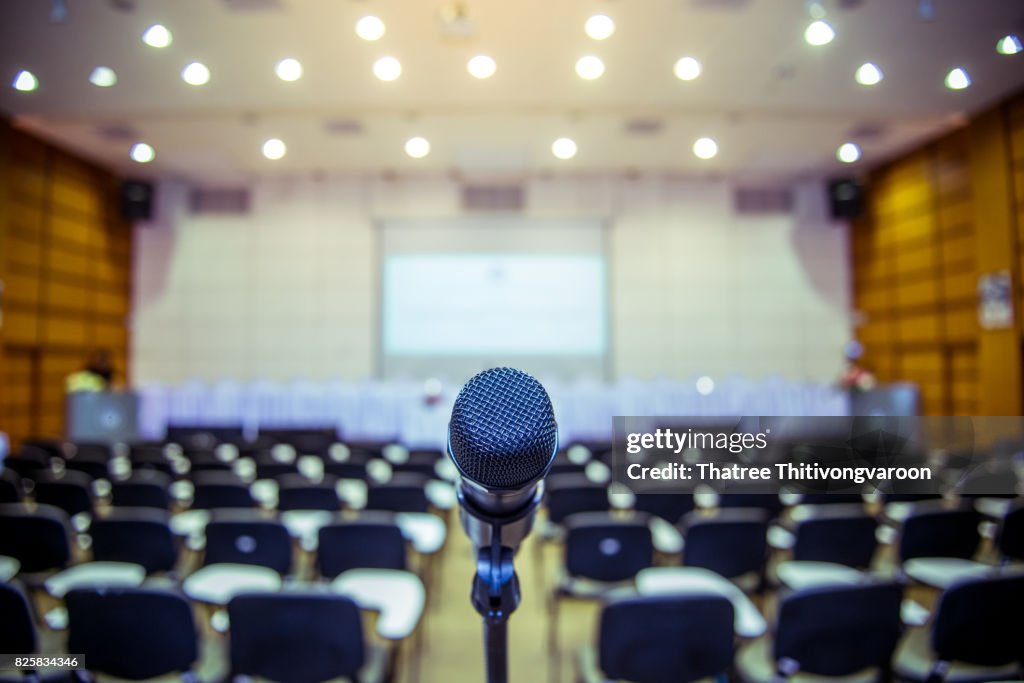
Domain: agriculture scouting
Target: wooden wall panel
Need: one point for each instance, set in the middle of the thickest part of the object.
(68, 276)
(917, 255)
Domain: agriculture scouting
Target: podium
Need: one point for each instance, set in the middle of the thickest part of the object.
(102, 417)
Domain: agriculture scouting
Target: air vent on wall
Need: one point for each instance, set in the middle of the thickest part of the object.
(219, 200)
(493, 198)
(750, 200)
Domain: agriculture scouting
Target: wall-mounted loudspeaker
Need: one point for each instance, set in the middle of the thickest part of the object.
(136, 200)
(846, 199)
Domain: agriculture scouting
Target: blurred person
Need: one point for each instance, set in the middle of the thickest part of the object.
(97, 375)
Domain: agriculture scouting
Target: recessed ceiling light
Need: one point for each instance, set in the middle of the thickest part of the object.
(1009, 45)
(142, 153)
(589, 67)
(481, 66)
(196, 73)
(417, 147)
(687, 69)
(868, 74)
(848, 152)
(25, 81)
(599, 27)
(274, 149)
(370, 28)
(103, 77)
(564, 148)
(157, 35)
(705, 148)
(819, 32)
(387, 68)
(289, 69)
(957, 79)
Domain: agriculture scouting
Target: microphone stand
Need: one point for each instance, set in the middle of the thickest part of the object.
(495, 591)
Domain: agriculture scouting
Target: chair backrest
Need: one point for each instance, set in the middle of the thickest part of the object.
(296, 637)
(261, 542)
(666, 638)
(847, 537)
(838, 630)
(1011, 532)
(671, 507)
(404, 492)
(143, 489)
(422, 462)
(370, 541)
(978, 621)
(38, 539)
(296, 493)
(93, 464)
(937, 532)
(568, 494)
(737, 497)
(731, 542)
(139, 535)
(17, 627)
(150, 458)
(209, 496)
(601, 548)
(133, 633)
(71, 492)
(10, 487)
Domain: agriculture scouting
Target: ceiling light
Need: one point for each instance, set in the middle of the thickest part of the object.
(142, 153)
(848, 152)
(819, 32)
(103, 77)
(157, 35)
(417, 147)
(868, 74)
(563, 148)
(25, 81)
(274, 149)
(481, 66)
(599, 26)
(705, 148)
(370, 28)
(387, 68)
(589, 67)
(196, 73)
(1009, 45)
(289, 69)
(687, 69)
(957, 79)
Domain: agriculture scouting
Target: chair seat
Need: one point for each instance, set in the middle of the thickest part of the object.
(781, 538)
(661, 580)
(754, 665)
(216, 584)
(943, 572)
(914, 661)
(441, 495)
(93, 574)
(304, 525)
(666, 538)
(995, 508)
(898, 511)
(399, 597)
(425, 531)
(9, 567)
(353, 492)
(803, 574)
(190, 522)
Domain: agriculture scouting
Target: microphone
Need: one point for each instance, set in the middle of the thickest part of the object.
(502, 438)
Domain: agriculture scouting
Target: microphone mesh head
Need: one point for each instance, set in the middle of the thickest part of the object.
(503, 431)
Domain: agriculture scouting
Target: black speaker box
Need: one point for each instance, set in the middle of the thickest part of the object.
(846, 198)
(136, 199)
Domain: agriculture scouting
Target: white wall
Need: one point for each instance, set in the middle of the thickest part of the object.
(290, 290)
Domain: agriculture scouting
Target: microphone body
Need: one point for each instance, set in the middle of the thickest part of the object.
(502, 439)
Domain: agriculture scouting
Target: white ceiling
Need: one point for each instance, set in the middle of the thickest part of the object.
(768, 124)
